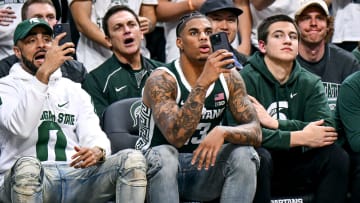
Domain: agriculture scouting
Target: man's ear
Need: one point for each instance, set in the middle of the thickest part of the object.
(108, 40)
(179, 44)
(17, 52)
(262, 46)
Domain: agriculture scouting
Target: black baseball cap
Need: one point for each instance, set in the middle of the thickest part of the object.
(210, 6)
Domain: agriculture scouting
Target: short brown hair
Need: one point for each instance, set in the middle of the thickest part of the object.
(27, 3)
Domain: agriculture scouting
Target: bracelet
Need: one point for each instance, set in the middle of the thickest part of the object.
(191, 6)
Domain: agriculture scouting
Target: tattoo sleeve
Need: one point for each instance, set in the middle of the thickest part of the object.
(248, 131)
(176, 124)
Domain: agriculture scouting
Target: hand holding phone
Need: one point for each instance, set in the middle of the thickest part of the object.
(220, 41)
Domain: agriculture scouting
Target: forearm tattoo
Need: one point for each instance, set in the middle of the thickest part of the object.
(244, 112)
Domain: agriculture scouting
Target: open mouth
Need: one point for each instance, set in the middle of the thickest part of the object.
(40, 56)
(128, 41)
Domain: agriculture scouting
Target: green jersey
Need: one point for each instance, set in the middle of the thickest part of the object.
(214, 106)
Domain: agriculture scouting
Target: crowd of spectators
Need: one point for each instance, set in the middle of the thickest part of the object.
(287, 112)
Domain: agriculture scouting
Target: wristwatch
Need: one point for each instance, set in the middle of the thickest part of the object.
(103, 153)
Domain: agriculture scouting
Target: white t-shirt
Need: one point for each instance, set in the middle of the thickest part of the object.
(286, 7)
(346, 25)
(90, 53)
(7, 32)
(171, 50)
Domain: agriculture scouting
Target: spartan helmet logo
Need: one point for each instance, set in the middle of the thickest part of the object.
(135, 109)
(34, 20)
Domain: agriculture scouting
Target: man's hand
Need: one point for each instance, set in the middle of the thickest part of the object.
(316, 135)
(265, 119)
(7, 16)
(207, 151)
(214, 67)
(55, 56)
(86, 157)
(145, 25)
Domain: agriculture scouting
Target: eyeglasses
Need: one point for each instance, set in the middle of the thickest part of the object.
(184, 19)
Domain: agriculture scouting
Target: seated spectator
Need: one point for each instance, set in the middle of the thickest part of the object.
(45, 10)
(123, 75)
(191, 156)
(348, 114)
(53, 149)
(224, 17)
(331, 63)
(297, 124)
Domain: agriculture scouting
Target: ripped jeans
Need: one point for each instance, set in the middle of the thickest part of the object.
(172, 177)
(122, 177)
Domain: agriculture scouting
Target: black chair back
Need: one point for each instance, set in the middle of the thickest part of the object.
(120, 123)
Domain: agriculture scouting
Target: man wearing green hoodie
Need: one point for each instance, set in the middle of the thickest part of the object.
(296, 120)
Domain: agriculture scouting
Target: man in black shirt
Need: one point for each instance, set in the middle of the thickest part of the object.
(331, 63)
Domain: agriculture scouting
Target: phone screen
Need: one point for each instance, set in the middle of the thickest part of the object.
(60, 28)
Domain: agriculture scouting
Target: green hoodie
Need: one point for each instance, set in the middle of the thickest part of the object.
(299, 101)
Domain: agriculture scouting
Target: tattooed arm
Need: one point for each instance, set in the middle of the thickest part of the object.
(176, 124)
(243, 111)
(248, 131)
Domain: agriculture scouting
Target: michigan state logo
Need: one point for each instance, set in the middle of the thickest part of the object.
(34, 20)
(135, 110)
(278, 110)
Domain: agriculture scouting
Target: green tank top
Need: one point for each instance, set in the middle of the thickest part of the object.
(212, 113)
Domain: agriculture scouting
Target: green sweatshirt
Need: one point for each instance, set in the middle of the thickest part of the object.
(348, 111)
(294, 104)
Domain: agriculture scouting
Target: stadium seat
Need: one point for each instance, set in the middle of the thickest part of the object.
(120, 123)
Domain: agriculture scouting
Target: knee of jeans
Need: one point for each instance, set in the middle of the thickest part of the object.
(162, 160)
(245, 157)
(27, 175)
(135, 168)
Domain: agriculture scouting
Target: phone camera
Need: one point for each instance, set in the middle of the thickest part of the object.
(58, 28)
(217, 39)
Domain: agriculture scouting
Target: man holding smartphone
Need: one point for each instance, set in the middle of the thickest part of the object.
(45, 9)
(181, 135)
(52, 147)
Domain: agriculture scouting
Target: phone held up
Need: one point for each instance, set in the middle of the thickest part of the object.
(220, 41)
(60, 28)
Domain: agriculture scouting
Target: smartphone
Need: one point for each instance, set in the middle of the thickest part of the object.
(220, 41)
(60, 28)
